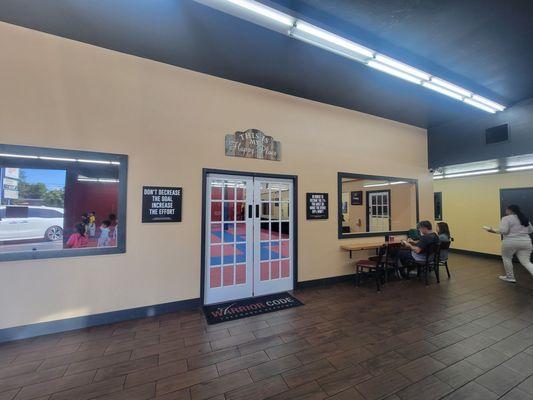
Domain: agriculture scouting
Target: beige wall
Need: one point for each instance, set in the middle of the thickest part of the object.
(171, 122)
(469, 203)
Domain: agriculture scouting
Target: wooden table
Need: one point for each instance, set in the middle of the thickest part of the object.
(361, 246)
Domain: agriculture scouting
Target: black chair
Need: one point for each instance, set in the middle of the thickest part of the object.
(431, 262)
(372, 266)
(444, 263)
(391, 259)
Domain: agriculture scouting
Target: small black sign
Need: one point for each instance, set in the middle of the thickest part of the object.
(356, 198)
(317, 206)
(161, 204)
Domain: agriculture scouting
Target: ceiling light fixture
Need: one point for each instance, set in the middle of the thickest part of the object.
(488, 102)
(402, 67)
(442, 90)
(525, 167)
(395, 72)
(480, 106)
(485, 172)
(331, 38)
(398, 182)
(264, 11)
(271, 18)
(450, 86)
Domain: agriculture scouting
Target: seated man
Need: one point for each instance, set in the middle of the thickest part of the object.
(416, 251)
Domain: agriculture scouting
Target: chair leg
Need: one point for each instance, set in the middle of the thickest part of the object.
(447, 270)
(436, 268)
(426, 274)
(357, 276)
(378, 278)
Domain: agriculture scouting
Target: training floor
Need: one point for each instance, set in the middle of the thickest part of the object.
(468, 338)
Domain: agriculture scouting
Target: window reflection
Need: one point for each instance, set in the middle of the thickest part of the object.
(370, 205)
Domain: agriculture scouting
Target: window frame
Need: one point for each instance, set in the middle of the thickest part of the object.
(340, 176)
(77, 154)
(439, 196)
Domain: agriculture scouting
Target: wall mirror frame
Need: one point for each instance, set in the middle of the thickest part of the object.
(70, 184)
(352, 176)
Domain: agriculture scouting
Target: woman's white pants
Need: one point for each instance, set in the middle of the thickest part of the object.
(522, 247)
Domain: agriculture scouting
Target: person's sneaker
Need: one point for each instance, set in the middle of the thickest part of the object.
(506, 279)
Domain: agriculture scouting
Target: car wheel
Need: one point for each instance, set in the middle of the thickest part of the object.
(54, 233)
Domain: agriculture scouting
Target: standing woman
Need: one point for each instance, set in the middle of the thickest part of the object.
(515, 228)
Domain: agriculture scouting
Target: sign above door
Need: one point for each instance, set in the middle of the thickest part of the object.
(252, 143)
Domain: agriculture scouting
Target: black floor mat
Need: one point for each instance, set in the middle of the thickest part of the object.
(248, 307)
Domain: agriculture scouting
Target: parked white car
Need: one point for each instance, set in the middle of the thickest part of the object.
(31, 222)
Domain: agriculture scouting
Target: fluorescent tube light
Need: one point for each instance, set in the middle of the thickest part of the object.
(87, 180)
(265, 16)
(94, 161)
(485, 172)
(264, 11)
(398, 182)
(332, 38)
(450, 86)
(376, 185)
(488, 102)
(106, 180)
(57, 159)
(438, 177)
(395, 72)
(441, 90)
(402, 67)
(519, 168)
(479, 105)
(115, 162)
(17, 155)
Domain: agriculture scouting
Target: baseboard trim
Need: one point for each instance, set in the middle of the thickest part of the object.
(325, 281)
(475, 253)
(69, 324)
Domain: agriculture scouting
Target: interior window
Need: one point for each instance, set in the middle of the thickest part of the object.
(57, 202)
(370, 205)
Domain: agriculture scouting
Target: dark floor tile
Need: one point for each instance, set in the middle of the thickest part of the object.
(429, 388)
(458, 374)
(274, 367)
(420, 368)
(382, 385)
(472, 391)
(259, 390)
(306, 373)
(500, 379)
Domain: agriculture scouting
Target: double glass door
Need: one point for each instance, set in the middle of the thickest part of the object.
(249, 237)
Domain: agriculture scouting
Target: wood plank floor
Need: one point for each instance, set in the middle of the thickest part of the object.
(470, 337)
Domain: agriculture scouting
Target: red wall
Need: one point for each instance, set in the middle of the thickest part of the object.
(84, 197)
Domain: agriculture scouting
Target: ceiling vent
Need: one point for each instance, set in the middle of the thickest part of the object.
(497, 134)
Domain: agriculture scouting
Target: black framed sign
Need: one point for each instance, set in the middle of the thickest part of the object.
(317, 206)
(356, 198)
(161, 204)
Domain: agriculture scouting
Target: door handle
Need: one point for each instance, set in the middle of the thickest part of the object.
(250, 211)
(257, 211)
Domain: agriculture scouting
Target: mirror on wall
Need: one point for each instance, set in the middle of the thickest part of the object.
(376, 205)
(57, 203)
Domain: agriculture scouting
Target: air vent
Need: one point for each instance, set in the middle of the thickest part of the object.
(497, 134)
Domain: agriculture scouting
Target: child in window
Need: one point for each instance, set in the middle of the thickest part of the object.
(92, 224)
(78, 239)
(104, 239)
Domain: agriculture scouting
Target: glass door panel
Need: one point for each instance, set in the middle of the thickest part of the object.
(229, 255)
(273, 237)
